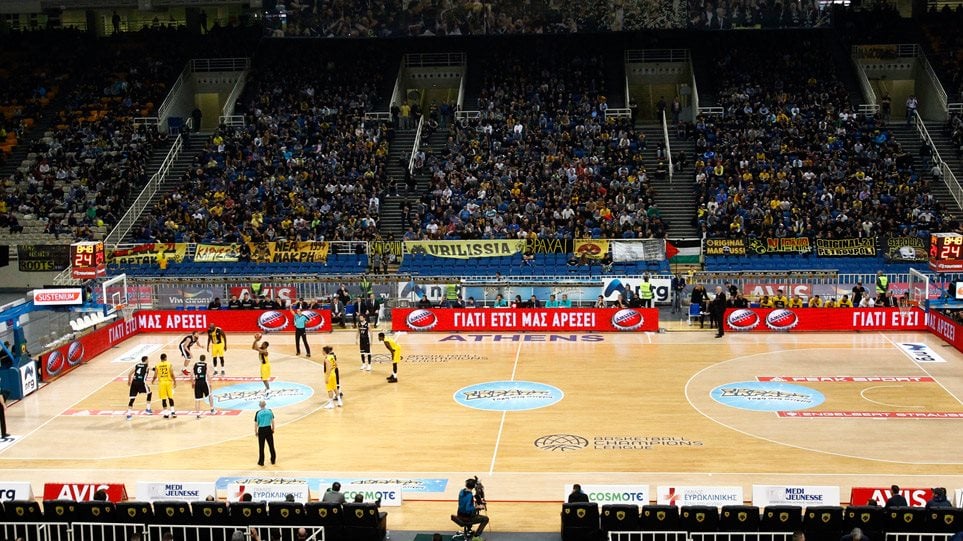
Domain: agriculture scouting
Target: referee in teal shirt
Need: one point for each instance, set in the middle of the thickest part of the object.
(264, 420)
(300, 320)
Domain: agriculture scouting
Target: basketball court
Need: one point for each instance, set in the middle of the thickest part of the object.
(527, 413)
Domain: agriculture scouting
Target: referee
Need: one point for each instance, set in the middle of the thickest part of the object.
(264, 420)
(300, 320)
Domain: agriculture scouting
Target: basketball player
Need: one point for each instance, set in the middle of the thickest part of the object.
(216, 336)
(202, 389)
(331, 378)
(395, 356)
(185, 346)
(262, 353)
(164, 374)
(137, 381)
(364, 343)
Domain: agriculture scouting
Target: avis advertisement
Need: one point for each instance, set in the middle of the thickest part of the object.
(268, 321)
(525, 319)
(823, 319)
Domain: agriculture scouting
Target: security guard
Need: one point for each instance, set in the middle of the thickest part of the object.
(882, 283)
(645, 292)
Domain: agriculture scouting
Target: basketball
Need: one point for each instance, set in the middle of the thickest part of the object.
(257, 336)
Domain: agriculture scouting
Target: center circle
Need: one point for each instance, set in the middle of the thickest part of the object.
(767, 396)
(246, 396)
(508, 395)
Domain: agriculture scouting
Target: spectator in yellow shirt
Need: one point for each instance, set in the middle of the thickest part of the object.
(815, 302)
(845, 302)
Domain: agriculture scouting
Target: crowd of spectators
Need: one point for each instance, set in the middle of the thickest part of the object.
(541, 160)
(791, 158)
(395, 18)
(84, 172)
(304, 167)
(943, 32)
(736, 14)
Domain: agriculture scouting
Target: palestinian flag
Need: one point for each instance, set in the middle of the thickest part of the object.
(683, 251)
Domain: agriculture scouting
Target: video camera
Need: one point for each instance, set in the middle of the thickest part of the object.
(479, 489)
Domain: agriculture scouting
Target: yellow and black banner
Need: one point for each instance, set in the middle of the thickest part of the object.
(591, 248)
(725, 247)
(465, 249)
(43, 257)
(549, 246)
(779, 245)
(854, 247)
(143, 254)
(289, 251)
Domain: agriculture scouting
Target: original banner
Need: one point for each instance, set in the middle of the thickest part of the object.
(725, 247)
(270, 321)
(217, 253)
(43, 257)
(905, 249)
(779, 245)
(143, 254)
(591, 248)
(465, 249)
(823, 319)
(525, 319)
(289, 251)
(856, 247)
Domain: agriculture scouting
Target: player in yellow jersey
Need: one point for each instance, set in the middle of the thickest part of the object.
(795, 302)
(830, 303)
(780, 300)
(766, 302)
(815, 302)
(262, 353)
(164, 377)
(331, 378)
(217, 345)
(845, 302)
(395, 356)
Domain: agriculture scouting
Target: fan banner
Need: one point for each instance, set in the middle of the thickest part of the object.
(525, 319)
(465, 249)
(643, 250)
(823, 319)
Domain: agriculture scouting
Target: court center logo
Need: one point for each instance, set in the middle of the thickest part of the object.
(508, 395)
(767, 396)
(561, 442)
(246, 396)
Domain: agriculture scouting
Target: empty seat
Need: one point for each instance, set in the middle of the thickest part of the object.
(699, 518)
(580, 521)
(781, 518)
(660, 518)
(620, 518)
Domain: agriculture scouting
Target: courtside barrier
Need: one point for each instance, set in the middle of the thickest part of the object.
(63, 359)
(648, 536)
(36, 531)
(268, 321)
(525, 319)
(946, 328)
(823, 319)
(104, 531)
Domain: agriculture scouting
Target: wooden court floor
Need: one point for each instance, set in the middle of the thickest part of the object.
(661, 409)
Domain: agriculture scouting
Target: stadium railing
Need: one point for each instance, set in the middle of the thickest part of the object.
(145, 197)
(36, 531)
(949, 178)
(417, 143)
(668, 147)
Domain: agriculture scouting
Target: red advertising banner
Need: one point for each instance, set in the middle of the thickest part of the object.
(823, 319)
(525, 319)
(945, 328)
(84, 492)
(58, 362)
(916, 497)
(229, 320)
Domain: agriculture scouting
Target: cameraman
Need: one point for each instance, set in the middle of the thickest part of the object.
(467, 511)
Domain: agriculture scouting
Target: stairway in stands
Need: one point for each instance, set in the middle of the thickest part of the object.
(195, 142)
(948, 153)
(909, 138)
(674, 198)
(391, 216)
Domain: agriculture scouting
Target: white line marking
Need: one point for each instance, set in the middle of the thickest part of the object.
(501, 425)
(864, 397)
(88, 395)
(920, 366)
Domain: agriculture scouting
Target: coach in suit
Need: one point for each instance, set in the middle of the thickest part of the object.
(718, 310)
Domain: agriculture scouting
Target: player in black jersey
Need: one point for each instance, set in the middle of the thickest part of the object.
(364, 343)
(202, 388)
(137, 381)
(185, 346)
